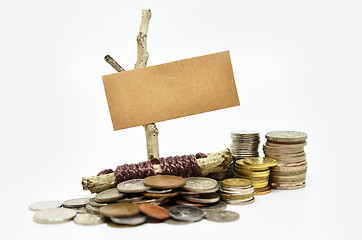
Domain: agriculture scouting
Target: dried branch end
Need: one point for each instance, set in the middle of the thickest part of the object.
(113, 63)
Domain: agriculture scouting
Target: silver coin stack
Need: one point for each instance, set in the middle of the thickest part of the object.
(244, 144)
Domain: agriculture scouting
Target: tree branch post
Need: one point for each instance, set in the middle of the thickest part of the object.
(151, 130)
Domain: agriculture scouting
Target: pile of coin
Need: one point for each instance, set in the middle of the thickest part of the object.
(257, 170)
(287, 147)
(244, 144)
(172, 199)
(237, 191)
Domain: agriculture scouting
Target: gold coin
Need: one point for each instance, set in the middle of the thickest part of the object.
(260, 185)
(261, 161)
(238, 175)
(240, 164)
(236, 182)
(255, 174)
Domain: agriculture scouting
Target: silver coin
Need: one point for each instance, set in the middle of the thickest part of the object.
(93, 202)
(130, 199)
(44, 205)
(132, 186)
(79, 210)
(88, 219)
(199, 184)
(222, 216)
(155, 201)
(92, 209)
(176, 222)
(136, 220)
(203, 198)
(152, 190)
(55, 215)
(240, 202)
(76, 203)
(219, 206)
(286, 136)
(204, 191)
(109, 195)
(186, 213)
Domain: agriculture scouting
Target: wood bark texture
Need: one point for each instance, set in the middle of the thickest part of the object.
(212, 163)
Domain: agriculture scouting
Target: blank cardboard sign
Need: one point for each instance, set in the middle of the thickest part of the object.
(171, 90)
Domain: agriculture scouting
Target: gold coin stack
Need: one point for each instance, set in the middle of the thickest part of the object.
(288, 148)
(237, 191)
(257, 170)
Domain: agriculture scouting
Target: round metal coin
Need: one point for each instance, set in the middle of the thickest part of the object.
(161, 195)
(186, 213)
(76, 203)
(222, 216)
(154, 211)
(44, 205)
(93, 202)
(109, 195)
(132, 186)
(135, 220)
(286, 136)
(88, 219)
(120, 210)
(159, 190)
(164, 181)
(203, 198)
(93, 209)
(199, 184)
(55, 215)
(187, 203)
(237, 182)
(219, 206)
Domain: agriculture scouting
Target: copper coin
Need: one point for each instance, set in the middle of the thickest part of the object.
(161, 195)
(154, 211)
(262, 192)
(183, 202)
(120, 210)
(164, 181)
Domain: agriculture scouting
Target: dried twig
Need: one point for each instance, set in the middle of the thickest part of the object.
(214, 162)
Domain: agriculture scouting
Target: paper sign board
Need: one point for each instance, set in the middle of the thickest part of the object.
(172, 90)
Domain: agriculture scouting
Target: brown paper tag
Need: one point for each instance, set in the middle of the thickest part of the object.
(171, 90)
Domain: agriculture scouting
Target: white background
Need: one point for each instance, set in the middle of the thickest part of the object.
(297, 66)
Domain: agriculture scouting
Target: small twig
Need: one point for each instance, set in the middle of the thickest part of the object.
(113, 63)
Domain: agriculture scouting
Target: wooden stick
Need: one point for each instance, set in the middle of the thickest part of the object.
(113, 63)
(151, 130)
(214, 162)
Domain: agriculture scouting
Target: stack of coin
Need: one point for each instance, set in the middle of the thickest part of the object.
(288, 148)
(244, 144)
(257, 170)
(199, 191)
(237, 191)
